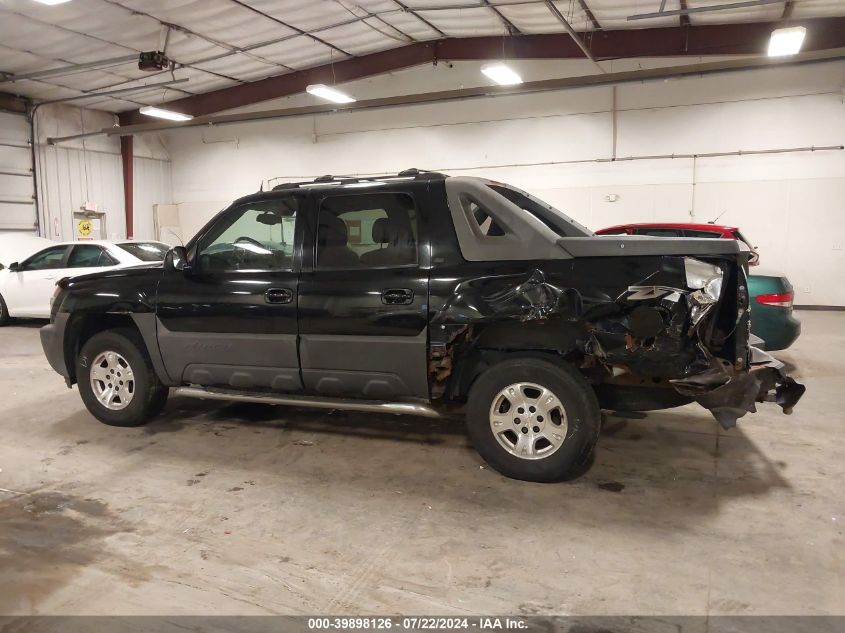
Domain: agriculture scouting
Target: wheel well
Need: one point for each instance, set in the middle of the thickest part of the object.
(470, 367)
(84, 326)
(553, 340)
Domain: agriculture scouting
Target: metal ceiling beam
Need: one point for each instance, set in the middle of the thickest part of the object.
(510, 26)
(546, 85)
(60, 70)
(719, 39)
(788, 8)
(684, 10)
(119, 91)
(413, 12)
(683, 18)
(590, 15)
(290, 26)
(568, 28)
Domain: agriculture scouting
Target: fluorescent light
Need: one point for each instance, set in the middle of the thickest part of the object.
(52, 2)
(786, 41)
(502, 74)
(328, 93)
(161, 113)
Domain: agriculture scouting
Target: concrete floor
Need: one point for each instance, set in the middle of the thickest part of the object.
(257, 510)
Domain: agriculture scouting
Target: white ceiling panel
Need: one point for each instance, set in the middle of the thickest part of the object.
(359, 38)
(203, 82)
(466, 22)
(96, 18)
(819, 9)
(304, 14)
(211, 34)
(221, 20)
(241, 66)
(19, 62)
(42, 90)
(410, 24)
(613, 14)
(299, 52)
(25, 34)
(186, 48)
(762, 13)
(538, 18)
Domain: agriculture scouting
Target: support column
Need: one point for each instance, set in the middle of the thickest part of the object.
(127, 157)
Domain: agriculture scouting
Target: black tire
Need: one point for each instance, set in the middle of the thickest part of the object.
(148, 396)
(578, 401)
(5, 319)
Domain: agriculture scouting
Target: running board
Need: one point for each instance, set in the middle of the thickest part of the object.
(372, 406)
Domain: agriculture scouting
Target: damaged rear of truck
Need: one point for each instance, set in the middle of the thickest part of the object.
(650, 323)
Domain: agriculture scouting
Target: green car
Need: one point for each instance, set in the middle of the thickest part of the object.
(772, 320)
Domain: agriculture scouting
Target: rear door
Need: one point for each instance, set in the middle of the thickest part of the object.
(27, 292)
(230, 319)
(363, 297)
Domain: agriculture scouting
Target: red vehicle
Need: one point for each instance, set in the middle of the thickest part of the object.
(671, 229)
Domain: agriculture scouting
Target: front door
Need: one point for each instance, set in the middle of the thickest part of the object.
(229, 320)
(363, 298)
(28, 290)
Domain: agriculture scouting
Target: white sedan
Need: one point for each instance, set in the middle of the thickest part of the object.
(26, 287)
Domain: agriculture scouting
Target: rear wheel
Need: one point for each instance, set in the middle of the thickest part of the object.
(4, 313)
(116, 379)
(532, 419)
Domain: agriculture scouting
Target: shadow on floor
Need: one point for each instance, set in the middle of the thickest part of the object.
(672, 467)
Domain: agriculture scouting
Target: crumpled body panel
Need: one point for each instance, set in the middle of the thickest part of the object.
(627, 327)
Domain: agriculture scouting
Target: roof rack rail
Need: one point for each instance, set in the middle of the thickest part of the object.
(411, 173)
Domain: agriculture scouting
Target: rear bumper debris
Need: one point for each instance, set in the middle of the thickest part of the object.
(729, 395)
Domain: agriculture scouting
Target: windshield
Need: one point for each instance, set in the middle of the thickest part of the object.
(561, 224)
(145, 251)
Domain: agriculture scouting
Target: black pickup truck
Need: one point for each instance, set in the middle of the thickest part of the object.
(423, 294)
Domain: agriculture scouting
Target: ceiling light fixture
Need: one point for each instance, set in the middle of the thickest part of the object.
(786, 41)
(328, 93)
(502, 74)
(161, 113)
(52, 2)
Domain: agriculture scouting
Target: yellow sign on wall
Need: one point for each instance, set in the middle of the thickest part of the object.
(84, 227)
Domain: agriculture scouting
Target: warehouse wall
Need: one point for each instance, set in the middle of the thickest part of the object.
(554, 145)
(74, 172)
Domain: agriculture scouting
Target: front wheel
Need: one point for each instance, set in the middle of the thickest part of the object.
(532, 419)
(116, 379)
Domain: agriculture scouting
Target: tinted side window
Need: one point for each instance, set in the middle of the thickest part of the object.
(89, 256)
(695, 233)
(254, 236)
(46, 259)
(658, 232)
(367, 230)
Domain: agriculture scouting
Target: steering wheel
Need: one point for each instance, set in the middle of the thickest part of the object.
(249, 240)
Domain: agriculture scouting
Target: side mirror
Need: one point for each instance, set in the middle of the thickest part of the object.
(176, 259)
(14, 267)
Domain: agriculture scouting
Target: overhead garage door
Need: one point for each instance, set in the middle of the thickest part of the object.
(17, 199)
